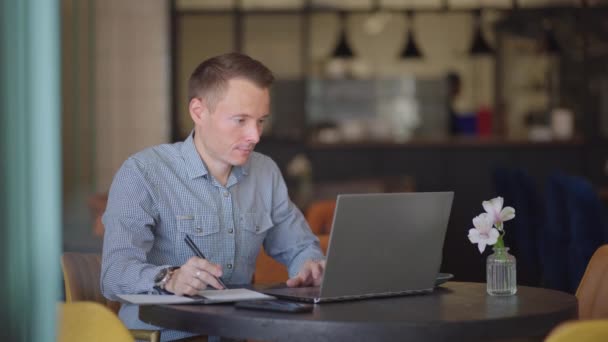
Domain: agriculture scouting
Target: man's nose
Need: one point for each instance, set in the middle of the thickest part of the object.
(254, 132)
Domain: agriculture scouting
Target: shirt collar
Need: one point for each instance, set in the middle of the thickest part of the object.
(196, 166)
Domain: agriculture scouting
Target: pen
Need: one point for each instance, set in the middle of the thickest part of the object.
(200, 254)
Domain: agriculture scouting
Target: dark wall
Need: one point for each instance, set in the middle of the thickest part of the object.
(465, 168)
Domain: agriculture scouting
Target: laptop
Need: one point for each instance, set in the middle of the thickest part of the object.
(380, 245)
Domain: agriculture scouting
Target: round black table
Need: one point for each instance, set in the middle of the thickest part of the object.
(455, 311)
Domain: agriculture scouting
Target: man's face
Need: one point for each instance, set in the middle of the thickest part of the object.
(228, 134)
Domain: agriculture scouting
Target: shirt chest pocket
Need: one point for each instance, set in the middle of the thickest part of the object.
(257, 223)
(255, 227)
(198, 225)
(204, 231)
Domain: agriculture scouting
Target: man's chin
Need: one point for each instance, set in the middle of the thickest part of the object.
(240, 160)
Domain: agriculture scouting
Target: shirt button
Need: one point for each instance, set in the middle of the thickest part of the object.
(226, 194)
(230, 231)
(229, 266)
(199, 230)
(257, 228)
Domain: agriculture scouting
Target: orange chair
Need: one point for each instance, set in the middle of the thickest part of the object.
(324, 242)
(320, 215)
(592, 292)
(97, 205)
(268, 270)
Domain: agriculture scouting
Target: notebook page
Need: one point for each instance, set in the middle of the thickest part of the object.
(147, 299)
(232, 295)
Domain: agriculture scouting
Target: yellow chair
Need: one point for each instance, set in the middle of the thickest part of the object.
(580, 331)
(90, 321)
(81, 277)
(592, 292)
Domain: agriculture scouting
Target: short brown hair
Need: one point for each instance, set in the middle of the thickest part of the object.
(210, 78)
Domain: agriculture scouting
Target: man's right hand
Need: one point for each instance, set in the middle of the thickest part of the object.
(195, 275)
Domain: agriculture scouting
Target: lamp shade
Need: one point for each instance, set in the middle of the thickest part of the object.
(342, 49)
(480, 46)
(410, 50)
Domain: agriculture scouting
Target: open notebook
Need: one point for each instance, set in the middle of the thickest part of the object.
(204, 297)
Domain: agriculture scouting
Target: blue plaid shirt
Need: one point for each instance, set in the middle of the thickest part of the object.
(165, 192)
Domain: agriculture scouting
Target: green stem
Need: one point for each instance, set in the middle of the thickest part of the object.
(500, 242)
(499, 246)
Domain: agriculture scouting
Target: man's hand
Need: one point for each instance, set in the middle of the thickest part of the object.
(194, 276)
(310, 274)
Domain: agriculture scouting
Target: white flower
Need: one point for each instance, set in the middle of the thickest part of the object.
(483, 234)
(499, 214)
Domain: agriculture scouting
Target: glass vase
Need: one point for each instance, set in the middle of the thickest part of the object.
(501, 272)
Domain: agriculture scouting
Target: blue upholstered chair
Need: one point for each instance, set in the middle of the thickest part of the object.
(575, 228)
(555, 235)
(530, 210)
(518, 189)
(588, 230)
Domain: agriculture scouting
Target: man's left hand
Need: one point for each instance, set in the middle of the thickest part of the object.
(310, 274)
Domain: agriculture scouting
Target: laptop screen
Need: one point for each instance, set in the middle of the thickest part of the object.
(385, 243)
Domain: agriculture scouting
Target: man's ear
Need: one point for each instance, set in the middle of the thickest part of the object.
(197, 108)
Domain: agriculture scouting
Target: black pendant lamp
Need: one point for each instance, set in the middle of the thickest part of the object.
(410, 50)
(480, 46)
(342, 50)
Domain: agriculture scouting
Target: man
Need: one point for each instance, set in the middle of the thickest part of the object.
(212, 188)
(454, 85)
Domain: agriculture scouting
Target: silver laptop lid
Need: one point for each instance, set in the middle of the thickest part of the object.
(386, 243)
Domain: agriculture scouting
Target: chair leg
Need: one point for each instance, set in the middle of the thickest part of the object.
(146, 335)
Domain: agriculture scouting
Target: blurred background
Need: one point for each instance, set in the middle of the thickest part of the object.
(373, 95)
(480, 97)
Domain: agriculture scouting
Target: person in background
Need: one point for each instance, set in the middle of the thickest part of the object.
(214, 188)
(454, 85)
